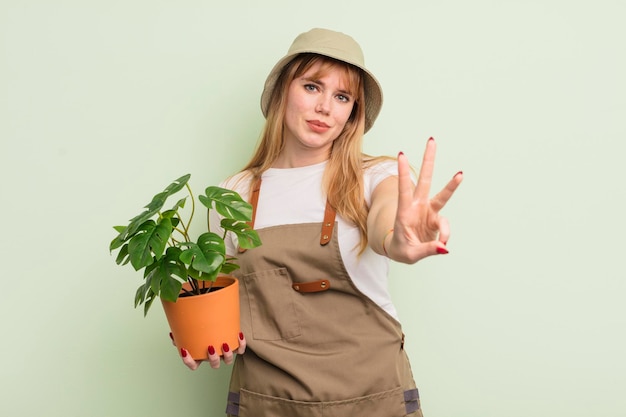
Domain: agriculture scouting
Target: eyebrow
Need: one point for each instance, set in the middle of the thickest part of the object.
(316, 81)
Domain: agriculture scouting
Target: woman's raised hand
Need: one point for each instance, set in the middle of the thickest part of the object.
(419, 230)
(215, 357)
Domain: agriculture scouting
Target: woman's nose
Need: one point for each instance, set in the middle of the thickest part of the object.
(323, 105)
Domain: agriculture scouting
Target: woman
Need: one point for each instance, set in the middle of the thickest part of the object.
(321, 333)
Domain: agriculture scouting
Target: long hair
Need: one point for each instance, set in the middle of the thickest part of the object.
(343, 177)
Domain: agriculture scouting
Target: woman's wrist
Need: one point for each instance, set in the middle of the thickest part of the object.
(384, 245)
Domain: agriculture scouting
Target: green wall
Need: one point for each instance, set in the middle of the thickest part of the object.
(102, 103)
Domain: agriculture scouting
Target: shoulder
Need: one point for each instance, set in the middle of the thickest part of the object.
(380, 166)
(375, 170)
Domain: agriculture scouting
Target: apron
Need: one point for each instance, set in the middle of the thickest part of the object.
(316, 346)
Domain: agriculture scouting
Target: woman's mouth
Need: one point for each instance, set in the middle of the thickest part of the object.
(317, 126)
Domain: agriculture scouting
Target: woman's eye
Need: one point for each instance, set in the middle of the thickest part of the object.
(310, 87)
(343, 98)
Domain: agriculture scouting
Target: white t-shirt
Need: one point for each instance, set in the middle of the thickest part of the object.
(295, 195)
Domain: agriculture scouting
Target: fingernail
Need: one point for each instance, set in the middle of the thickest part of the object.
(171, 336)
(431, 138)
(400, 153)
(183, 352)
(460, 172)
(240, 336)
(442, 251)
(211, 350)
(225, 348)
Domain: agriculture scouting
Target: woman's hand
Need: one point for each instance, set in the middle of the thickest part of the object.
(418, 229)
(215, 358)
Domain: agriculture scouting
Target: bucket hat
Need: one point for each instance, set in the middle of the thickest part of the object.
(335, 45)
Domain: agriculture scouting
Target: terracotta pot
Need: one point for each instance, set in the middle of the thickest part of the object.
(210, 319)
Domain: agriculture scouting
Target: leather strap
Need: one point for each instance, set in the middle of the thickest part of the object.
(313, 286)
(328, 224)
(254, 200)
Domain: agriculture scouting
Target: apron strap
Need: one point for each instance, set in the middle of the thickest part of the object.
(254, 200)
(328, 224)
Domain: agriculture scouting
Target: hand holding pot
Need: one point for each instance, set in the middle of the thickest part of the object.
(215, 357)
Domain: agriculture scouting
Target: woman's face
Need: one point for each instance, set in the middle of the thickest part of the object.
(317, 109)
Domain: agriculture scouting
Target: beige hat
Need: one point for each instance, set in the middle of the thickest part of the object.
(335, 45)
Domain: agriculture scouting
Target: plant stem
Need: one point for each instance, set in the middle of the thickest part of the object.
(204, 287)
(183, 234)
(208, 220)
(193, 211)
(194, 285)
(189, 293)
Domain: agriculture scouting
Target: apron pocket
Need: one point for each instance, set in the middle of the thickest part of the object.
(259, 405)
(391, 403)
(271, 304)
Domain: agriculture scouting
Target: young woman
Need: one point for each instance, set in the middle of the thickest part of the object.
(322, 337)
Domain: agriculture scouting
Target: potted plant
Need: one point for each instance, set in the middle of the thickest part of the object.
(187, 274)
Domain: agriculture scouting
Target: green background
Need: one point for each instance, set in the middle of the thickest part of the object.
(102, 103)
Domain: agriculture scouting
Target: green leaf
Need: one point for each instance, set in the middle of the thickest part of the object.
(140, 294)
(150, 239)
(172, 213)
(119, 239)
(177, 185)
(229, 267)
(248, 237)
(119, 229)
(170, 289)
(117, 242)
(228, 203)
(122, 256)
(167, 275)
(206, 256)
(203, 276)
(179, 204)
(153, 207)
(148, 303)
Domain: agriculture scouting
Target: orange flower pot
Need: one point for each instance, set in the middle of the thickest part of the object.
(210, 319)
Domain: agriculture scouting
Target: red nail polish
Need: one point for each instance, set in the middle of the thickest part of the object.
(442, 251)
(431, 138)
(171, 336)
(225, 347)
(460, 172)
(183, 352)
(400, 153)
(211, 350)
(240, 336)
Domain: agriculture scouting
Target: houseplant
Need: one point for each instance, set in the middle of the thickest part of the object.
(182, 272)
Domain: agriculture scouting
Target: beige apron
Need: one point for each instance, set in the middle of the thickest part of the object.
(317, 347)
